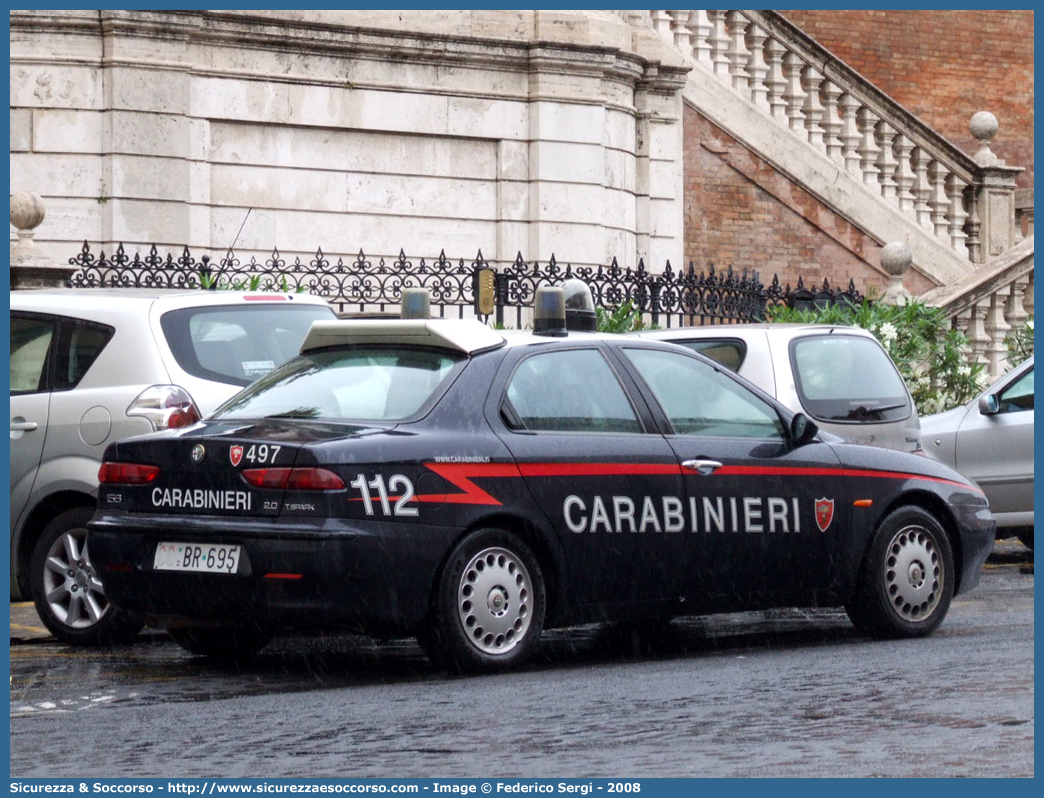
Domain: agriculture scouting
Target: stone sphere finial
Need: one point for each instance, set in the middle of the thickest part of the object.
(27, 211)
(30, 268)
(984, 127)
(896, 259)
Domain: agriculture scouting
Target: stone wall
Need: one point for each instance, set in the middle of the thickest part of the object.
(540, 132)
(944, 66)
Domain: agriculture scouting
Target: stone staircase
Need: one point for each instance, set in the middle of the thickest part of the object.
(826, 127)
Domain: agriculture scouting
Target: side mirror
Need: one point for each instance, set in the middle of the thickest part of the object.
(802, 429)
(989, 405)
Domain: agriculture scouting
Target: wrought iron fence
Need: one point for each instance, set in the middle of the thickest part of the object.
(363, 286)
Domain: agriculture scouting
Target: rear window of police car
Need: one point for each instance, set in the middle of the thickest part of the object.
(364, 383)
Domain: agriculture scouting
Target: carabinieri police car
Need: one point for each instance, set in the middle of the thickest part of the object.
(473, 487)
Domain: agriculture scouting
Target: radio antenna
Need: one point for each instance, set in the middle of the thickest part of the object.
(233, 247)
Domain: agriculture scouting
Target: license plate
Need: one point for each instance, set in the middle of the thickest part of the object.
(205, 557)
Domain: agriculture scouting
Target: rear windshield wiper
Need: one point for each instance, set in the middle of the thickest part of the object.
(862, 412)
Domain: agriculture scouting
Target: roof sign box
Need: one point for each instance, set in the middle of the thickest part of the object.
(464, 335)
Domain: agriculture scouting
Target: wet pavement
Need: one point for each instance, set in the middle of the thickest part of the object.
(780, 693)
(25, 624)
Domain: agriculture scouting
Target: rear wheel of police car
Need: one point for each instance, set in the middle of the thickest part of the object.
(67, 592)
(907, 578)
(488, 607)
(221, 643)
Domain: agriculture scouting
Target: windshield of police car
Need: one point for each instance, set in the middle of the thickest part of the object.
(361, 384)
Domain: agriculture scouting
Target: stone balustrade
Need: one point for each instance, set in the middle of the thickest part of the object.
(989, 303)
(966, 202)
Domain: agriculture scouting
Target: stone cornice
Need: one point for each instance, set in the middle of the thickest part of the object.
(86, 22)
(332, 39)
(664, 79)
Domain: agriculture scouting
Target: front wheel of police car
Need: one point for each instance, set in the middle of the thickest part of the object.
(68, 595)
(488, 605)
(907, 579)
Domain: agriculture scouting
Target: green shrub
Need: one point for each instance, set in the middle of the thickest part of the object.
(623, 319)
(1019, 343)
(212, 282)
(931, 356)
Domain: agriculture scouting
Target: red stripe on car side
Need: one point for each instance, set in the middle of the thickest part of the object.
(597, 469)
(460, 475)
(862, 473)
(850, 472)
(823, 472)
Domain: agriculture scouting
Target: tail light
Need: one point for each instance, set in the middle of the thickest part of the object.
(166, 407)
(293, 478)
(126, 473)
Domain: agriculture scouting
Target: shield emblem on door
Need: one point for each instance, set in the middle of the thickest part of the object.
(824, 513)
(235, 454)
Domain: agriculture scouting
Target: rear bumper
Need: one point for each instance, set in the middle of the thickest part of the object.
(977, 532)
(302, 573)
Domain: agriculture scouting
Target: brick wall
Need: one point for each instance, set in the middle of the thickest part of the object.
(943, 66)
(741, 212)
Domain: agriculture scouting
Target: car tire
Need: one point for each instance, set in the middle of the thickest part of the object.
(488, 605)
(68, 594)
(223, 643)
(906, 581)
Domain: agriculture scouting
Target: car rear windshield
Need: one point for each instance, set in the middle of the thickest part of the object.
(848, 378)
(236, 344)
(369, 383)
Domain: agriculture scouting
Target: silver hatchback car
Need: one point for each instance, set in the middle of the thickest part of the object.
(91, 366)
(990, 440)
(839, 376)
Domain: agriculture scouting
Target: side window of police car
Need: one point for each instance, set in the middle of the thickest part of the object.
(568, 391)
(699, 400)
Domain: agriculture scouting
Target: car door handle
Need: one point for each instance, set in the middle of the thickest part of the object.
(703, 467)
(23, 426)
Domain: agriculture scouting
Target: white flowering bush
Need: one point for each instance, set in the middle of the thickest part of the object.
(931, 356)
(1019, 343)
